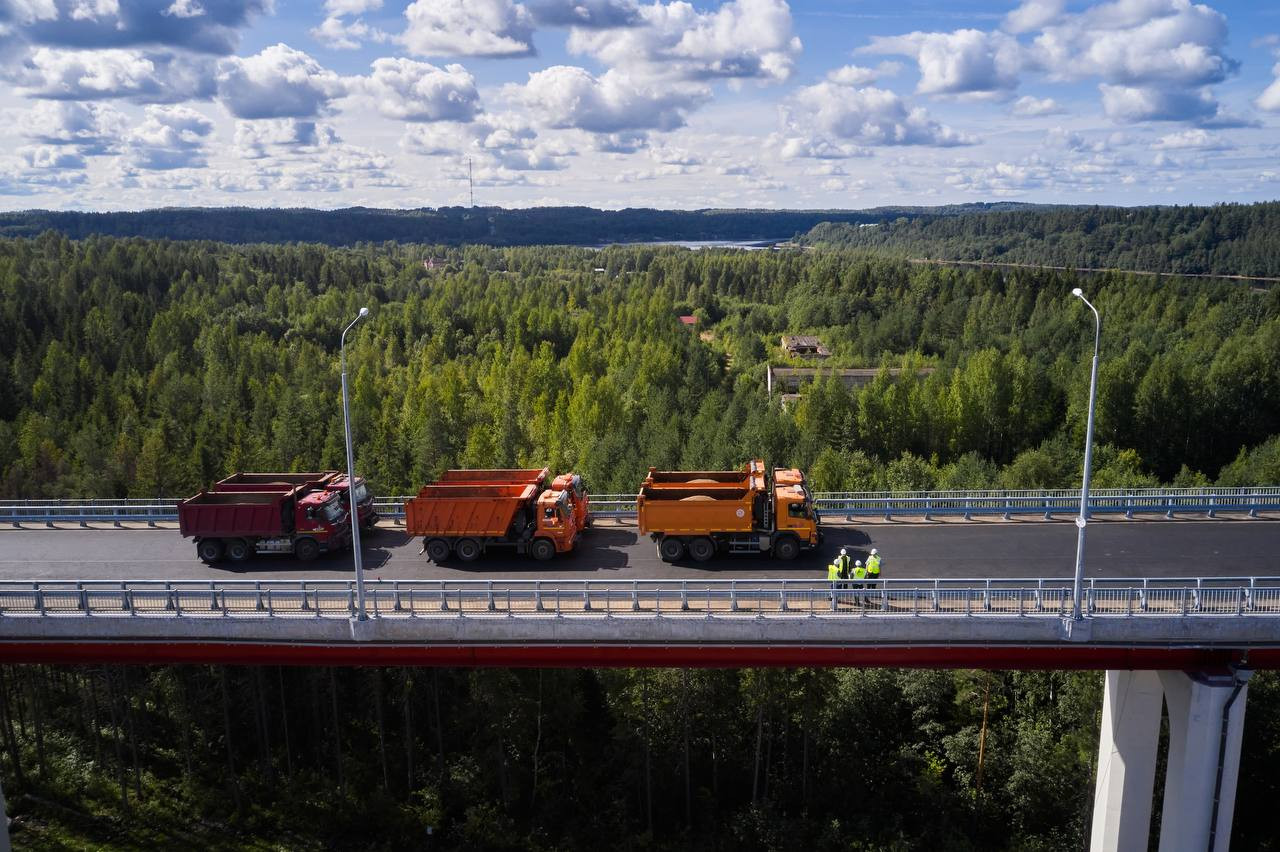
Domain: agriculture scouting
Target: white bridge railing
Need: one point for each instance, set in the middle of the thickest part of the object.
(847, 504)
(1243, 597)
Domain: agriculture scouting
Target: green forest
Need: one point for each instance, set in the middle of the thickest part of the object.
(150, 368)
(451, 225)
(134, 367)
(1226, 239)
(759, 759)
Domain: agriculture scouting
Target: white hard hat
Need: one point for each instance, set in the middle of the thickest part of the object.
(874, 551)
(844, 552)
(859, 562)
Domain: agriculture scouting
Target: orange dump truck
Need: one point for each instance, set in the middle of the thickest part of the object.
(570, 482)
(464, 519)
(701, 513)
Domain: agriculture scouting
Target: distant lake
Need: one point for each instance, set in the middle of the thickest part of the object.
(701, 244)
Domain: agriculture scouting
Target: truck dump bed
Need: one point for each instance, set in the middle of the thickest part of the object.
(466, 510)
(237, 515)
(246, 482)
(694, 509)
(495, 476)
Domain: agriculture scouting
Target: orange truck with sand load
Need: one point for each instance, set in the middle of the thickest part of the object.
(466, 513)
(701, 513)
(570, 482)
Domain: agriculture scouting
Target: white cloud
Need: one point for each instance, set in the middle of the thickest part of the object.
(338, 33)
(1146, 103)
(407, 90)
(565, 96)
(964, 62)
(742, 39)
(102, 24)
(492, 28)
(91, 128)
(504, 141)
(103, 74)
(1269, 100)
(52, 157)
(1195, 139)
(866, 116)
(351, 7)
(1032, 15)
(1030, 106)
(1070, 140)
(171, 137)
(854, 75)
(17, 179)
(258, 139)
(279, 82)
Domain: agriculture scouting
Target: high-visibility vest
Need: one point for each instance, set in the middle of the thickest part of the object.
(842, 566)
(859, 572)
(833, 573)
(873, 566)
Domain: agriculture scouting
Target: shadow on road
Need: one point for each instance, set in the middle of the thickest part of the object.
(597, 550)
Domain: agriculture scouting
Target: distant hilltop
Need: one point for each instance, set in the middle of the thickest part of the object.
(456, 225)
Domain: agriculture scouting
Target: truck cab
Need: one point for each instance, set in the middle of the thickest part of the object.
(364, 500)
(796, 513)
(321, 515)
(572, 484)
(557, 519)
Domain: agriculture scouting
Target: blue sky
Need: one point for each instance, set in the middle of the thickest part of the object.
(127, 104)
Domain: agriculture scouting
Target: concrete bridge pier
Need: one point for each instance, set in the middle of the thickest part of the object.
(1206, 722)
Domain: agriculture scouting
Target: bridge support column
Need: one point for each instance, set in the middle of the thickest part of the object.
(1206, 722)
(1127, 747)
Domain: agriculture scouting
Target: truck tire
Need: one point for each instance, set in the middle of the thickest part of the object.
(542, 549)
(370, 524)
(437, 550)
(786, 548)
(701, 549)
(237, 549)
(209, 550)
(467, 549)
(306, 549)
(670, 549)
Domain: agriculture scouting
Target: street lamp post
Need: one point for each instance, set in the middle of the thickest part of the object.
(1083, 520)
(354, 514)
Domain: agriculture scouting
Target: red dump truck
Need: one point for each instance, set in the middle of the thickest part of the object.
(330, 480)
(568, 482)
(464, 519)
(701, 513)
(303, 520)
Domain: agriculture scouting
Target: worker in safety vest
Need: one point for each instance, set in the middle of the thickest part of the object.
(833, 574)
(873, 565)
(860, 573)
(842, 564)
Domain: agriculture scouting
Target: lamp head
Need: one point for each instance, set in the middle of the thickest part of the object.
(364, 312)
(1078, 293)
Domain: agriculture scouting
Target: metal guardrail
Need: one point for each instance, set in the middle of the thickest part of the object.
(1243, 597)
(850, 505)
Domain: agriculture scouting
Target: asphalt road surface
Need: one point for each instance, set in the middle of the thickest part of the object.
(1183, 548)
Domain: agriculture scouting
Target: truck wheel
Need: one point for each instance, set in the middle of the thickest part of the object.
(209, 550)
(306, 549)
(542, 549)
(786, 548)
(670, 549)
(437, 550)
(370, 525)
(467, 549)
(238, 550)
(702, 549)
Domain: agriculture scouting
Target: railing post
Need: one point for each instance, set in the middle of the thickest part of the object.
(489, 588)
(257, 603)
(733, 596)
(928, 509)
(684, 596)
(537, 596)
(1213, 501)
